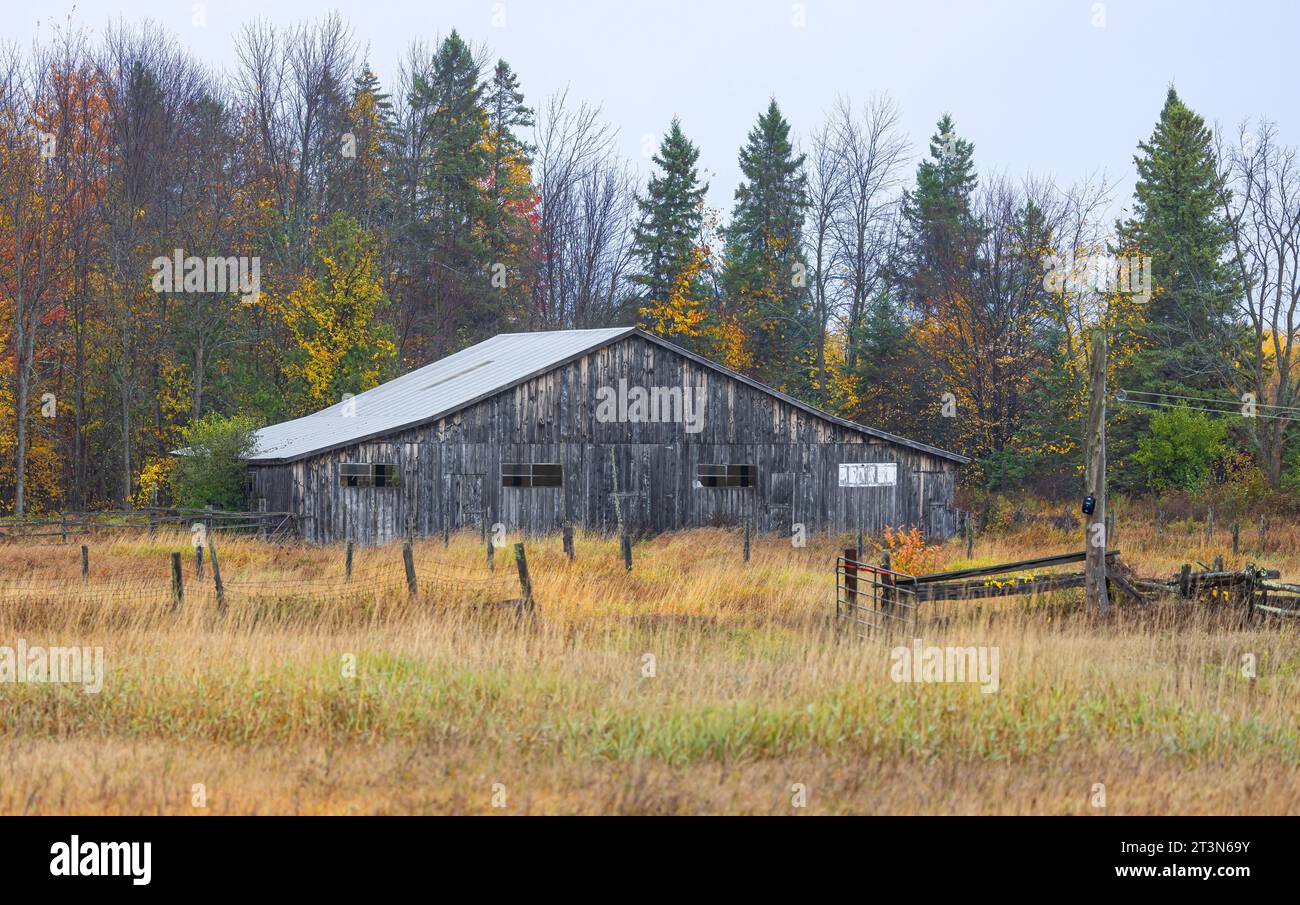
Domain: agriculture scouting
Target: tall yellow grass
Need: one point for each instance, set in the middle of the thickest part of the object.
(697, 683)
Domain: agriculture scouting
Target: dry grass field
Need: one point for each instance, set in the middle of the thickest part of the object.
(695, 684)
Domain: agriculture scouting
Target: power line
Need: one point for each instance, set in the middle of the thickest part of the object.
(1122, 394)
(1288, 416)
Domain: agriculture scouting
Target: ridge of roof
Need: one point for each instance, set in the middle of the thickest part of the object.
(477, 372)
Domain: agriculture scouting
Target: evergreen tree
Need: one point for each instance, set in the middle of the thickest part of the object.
(941, 232)
(506, 113)
(765, 274)
(455, 300)
(672, 213)
(1177, 224)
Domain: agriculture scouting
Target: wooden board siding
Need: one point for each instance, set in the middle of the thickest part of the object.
(552, 419)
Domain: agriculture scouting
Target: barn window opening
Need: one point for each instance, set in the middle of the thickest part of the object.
(726, 475)
(526, 474)
(369, 474)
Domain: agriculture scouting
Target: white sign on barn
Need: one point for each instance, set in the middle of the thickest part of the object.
(868, 474)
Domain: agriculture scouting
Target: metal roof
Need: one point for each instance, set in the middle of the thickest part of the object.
(459, 380)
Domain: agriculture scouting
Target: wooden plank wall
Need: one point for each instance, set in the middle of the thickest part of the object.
(552, 418)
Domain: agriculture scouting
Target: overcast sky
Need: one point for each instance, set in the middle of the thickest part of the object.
(1055, 87)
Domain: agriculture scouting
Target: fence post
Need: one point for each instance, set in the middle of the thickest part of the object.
(178, 586)
(1185, 581)
(746, 540)
(970, 538)
(408, 559)
(347, 562)
(63, 525)
(525, 582)
(1236, 538)
(1209, 524)
(85, 561)
(568, 540)
(216, 576)
(626, 543)
(886, 582)
(850, 576)
(1110, 529)
(198, 561)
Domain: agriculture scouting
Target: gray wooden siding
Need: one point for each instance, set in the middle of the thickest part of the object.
(451, 469)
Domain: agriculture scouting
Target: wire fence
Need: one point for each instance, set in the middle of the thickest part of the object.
(408, 576)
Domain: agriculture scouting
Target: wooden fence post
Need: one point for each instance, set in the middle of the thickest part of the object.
(347, 562)
(408, 559)
(525, 581)
(886, 582)
(1236, 538)
(63, 523)
(1209, 524)
(198, 561)
(746, 540)
(216, 576)
(970, 537)
(850, 576)
(626, 543)
(1185, 581)
(1110, 529)
(568, 540)
(178, 586)
(85, 561)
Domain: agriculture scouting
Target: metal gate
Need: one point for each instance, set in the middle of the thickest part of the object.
(870, 600)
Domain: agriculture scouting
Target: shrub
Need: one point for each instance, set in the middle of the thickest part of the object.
(210, 470)
(1180, 449)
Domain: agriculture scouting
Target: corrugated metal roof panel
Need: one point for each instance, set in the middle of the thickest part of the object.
(454, 382)
(429, 392)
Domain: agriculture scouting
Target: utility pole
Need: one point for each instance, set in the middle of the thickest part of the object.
(1095, 539)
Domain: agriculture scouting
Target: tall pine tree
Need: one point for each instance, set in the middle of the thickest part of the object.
(1177, 224)
(941, 232)
(672, 212)
(765, 274)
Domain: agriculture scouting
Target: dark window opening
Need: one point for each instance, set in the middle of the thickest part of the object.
(524, 474)
(726, 475)
(369, 474)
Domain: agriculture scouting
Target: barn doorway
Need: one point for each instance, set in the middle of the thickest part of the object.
(465, 502)
(780, 502)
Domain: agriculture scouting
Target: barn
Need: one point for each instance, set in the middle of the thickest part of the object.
(603, 429)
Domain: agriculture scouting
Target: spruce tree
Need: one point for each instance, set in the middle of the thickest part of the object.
(1177, 224)
(941, 232)
(765, 275)
(672, 213)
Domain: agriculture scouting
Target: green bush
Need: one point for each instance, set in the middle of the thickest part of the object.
(210, 469)
(1180, 449)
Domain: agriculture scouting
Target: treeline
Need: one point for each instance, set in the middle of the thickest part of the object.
(354, 230)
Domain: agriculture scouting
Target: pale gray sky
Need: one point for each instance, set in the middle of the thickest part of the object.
(1055, 87)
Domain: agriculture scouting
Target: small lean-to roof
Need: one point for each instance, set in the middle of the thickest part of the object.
(453, 383)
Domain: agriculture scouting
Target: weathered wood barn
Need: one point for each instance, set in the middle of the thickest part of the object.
(591, 426)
